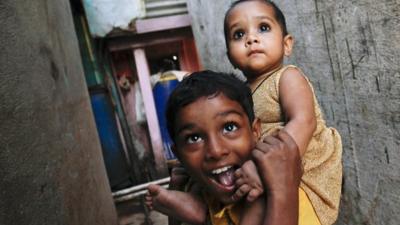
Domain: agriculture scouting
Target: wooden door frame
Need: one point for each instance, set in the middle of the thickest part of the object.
(152, 32)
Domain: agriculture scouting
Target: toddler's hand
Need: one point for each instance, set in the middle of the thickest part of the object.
(248, 182)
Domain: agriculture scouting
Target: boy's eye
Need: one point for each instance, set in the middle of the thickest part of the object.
(194, 138)
(230, 127)
(264, 27)
(238, 35)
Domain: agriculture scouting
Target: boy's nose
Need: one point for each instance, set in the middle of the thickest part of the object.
(216, 149)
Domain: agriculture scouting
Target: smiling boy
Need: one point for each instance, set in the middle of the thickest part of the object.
(211, 121)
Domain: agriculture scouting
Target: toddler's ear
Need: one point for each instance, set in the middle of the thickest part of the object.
(288, 42)
(256, 127)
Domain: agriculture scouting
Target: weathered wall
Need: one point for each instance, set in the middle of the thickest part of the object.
(351, 52)
(51, 168)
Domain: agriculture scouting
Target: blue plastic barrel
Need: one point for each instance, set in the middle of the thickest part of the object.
(161, 92)
(113, 153)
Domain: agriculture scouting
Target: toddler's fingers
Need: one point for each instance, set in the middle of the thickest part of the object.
(262, 146)
(241, 191)
(288, 140)
(239, 182)
(254, 194)
(257, 155)
(238, 173)
(271, 140)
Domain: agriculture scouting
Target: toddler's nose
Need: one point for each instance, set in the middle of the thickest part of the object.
(252, 38)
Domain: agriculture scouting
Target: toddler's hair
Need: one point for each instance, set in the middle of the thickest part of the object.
(207, 84)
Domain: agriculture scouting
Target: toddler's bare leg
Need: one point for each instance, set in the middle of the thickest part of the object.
(181, 205)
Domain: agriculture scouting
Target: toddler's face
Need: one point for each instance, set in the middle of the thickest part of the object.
(255, 41)
(213, 138)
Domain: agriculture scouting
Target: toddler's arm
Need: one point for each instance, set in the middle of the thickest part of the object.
(180, 180)
(297, 100)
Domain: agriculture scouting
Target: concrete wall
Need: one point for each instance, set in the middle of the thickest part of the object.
(51, 168)
(351, 52)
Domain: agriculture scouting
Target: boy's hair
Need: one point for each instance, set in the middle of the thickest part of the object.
(278, 16)
(204, 84)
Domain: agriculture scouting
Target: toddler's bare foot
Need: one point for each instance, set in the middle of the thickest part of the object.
(159, 199)
(180, 205)
(248, 182)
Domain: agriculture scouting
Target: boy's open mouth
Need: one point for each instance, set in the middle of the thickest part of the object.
(224, 176)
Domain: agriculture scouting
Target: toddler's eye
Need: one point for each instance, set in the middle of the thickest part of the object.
(194, 138)
(238, 35)
(230, 127)
(264, 27)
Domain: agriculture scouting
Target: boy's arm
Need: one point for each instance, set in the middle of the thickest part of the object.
(190, 208)
(297, 100)
(179, 179)
(278, 163)
(195, 210)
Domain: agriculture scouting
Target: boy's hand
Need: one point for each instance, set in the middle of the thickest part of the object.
(248, 182)
(179, 178)
(278, 163)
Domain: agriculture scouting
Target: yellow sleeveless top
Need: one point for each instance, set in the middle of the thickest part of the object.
(322, 160)
(230, 215)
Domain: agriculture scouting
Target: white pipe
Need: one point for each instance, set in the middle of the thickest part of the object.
(140, 187)
(134, 195)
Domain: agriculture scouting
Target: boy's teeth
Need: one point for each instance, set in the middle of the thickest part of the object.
(220, 170)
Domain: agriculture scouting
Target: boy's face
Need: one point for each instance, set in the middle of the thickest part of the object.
(255, 41)
(214, 138)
